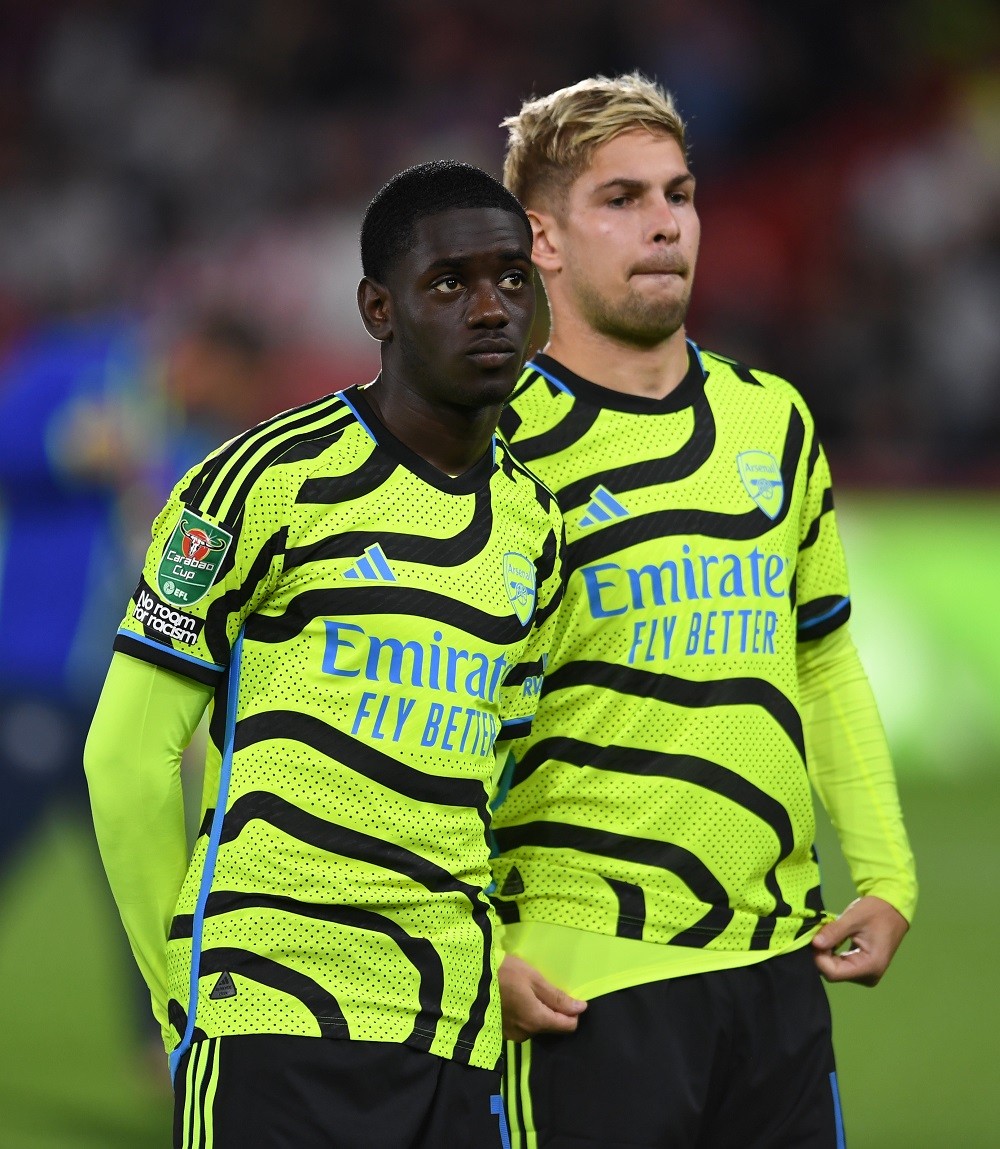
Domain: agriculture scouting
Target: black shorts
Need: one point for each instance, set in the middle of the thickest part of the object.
(276, 1091)
(736, 1059)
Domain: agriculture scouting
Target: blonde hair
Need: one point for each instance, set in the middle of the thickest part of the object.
(551, 139)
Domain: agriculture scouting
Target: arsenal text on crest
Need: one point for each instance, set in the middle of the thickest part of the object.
(519, 581)
(762, 478)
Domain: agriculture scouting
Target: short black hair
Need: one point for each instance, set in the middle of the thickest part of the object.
(421, 191)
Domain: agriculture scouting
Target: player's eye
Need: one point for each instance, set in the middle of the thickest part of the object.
(447, 285)
(514, 280)
(620, 201)
(678, 198)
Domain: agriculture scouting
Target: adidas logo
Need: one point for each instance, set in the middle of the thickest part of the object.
(224, 987)
(373, 566)
(602, 508)
(513, 884)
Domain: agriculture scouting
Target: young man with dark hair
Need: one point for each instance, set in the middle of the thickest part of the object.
(665, 933)
(362, 591)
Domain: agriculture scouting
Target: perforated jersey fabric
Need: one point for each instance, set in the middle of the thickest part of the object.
(371, 629)
(662, 794)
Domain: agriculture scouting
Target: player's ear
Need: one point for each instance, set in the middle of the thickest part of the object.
(375, 305)
(545, 250)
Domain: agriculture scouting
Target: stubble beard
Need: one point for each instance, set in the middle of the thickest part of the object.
(634, 320)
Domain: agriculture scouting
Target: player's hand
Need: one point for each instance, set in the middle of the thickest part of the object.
(874, 929)
(533, 1005)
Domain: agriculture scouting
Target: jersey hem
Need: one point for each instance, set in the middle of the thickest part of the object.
(662, 967)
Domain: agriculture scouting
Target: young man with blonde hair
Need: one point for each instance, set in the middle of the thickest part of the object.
(665, 933)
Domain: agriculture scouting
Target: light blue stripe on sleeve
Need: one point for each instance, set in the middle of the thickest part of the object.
(169, 650)
(208, 870)
(825, 615)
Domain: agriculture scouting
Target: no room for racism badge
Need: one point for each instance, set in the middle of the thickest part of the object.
(191, 560)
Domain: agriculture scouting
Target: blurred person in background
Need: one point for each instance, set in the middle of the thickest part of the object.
(664, 927)
(217, 373)
(94, 431)
(76, 429)
(307, 581)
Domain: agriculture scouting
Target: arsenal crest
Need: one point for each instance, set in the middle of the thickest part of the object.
(761, 476)
(519, 580)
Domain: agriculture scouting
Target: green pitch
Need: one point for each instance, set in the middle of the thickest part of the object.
(76, 1069)
(917, 1055)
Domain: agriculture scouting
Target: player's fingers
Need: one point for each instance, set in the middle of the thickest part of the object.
(855, 965)
(533, 1005)
(559, 1023)
(834, 933)
(547, 1020)
(535, 1019)
(514, 1031)
(557, 1000)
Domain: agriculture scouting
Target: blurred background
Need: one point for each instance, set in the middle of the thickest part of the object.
(181, 187)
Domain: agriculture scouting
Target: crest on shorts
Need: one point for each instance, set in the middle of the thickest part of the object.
(761, 476)
(191, 559)
(519, 580)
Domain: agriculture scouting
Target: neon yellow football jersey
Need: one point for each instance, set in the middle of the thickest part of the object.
(662, 794)
(372, 627)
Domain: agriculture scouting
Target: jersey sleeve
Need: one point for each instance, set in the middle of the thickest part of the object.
(851, 770)
(522, 685)
(204, 575)
(823, 599)
(144, 720)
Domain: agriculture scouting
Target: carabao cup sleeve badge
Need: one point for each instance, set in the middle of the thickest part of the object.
(191, 559)
(519, 580)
